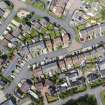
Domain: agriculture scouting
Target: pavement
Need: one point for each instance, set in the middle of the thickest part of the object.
(25, 73)
(95, 91)
(65, 24)
(4, 25)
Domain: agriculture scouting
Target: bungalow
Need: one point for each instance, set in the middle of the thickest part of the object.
(50, 69)
(57, 43)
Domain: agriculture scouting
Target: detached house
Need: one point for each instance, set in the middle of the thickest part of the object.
(58, 7)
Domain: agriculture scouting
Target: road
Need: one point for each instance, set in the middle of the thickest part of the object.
(95, 92)
(4, 25)
(65, 24)
(25, 73)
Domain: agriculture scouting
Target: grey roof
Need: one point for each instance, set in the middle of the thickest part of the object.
(3, 5)
(52, 67)
(8, 102)
(2, 12)
(95, 28)
(39, 44)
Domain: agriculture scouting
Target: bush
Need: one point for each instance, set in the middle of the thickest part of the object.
(84, 100)
(97, 83)
(72, 91)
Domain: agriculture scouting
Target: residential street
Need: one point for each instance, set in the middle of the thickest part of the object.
(25, 73)
(7, 21)
(95, 92)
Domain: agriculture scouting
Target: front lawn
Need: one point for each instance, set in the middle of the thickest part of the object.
(72, 91)
(97, 83)
(83, 100)
(103, 97)
(39, 5)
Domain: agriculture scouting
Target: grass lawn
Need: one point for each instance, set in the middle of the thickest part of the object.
(51, 98)
(103, 97)
(97, 83)
(16, 18)
(72, 91)
(39, 5)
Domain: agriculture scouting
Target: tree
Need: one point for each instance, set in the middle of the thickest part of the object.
(103, 13)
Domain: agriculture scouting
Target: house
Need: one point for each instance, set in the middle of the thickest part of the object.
(49, 45)
(37, 72)
(25, 101)
(58, 11)
(58, 7)
(92, 32)
(62, 65)
(2, 97)
(38, 48)
(76, 60)
(101, 67)
(44, 22)
(57, 89)
(61, 88)
(3, 5)
(25, 85)
(8, 102)
(1, 12)
(4, 11)
(36, 25)
(79, 17)
(69, 63)
(74, 78)
(57, 43)
(92, 77)
(26, 28)
(66, 39)
(50, 69)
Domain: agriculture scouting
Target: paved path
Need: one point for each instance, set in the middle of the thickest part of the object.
(25, 73)
(7, 21)
(95, 92)
(65, 24)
